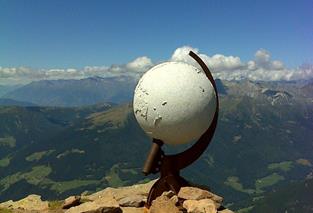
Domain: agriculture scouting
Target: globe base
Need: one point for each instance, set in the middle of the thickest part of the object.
(170, 180)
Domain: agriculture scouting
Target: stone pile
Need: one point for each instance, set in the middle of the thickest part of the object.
(129, 199)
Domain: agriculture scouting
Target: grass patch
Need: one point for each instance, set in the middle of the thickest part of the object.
(283, 166)
(257, 198)
(234, 183)
(55, 204)
(10, 180)
(143, 181)
(38, 155)
(245, 210)
(8, 141)
(5, 210)
(114, 118)
(38, 176)
(4, 162)
(35, 176)
(64, 186)
(72, 151)
(113, 178)
(267, 181)
(131, 171)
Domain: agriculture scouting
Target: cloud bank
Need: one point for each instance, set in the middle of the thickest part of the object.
(260, 68)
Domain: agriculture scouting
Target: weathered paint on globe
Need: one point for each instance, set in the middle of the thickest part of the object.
(174, 102)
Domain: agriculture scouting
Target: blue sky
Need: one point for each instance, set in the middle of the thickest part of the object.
(63, 34)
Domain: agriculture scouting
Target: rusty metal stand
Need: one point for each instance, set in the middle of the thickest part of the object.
(169, 166)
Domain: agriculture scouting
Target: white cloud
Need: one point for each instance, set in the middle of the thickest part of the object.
(216, 62)
(262, 57)
(251, 65)
(140, 64)
(263, 60)
(22, 75)
(181, 54)
(261, 67)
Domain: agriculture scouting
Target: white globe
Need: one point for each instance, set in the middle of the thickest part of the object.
(174, 102)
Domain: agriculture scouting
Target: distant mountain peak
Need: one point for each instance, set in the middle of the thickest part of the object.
(221, 88)
(276, 96)
(94, 78)
(76, 92)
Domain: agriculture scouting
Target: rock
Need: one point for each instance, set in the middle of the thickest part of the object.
(8, 204)
(125, 199)
(193, 193)
(71, 201)
(174, 199)
(132, 201)
(200, 206)
(101, 205)
(119, 193)
(133, 210)
(169, 194)
(29, 203)
(163, 204)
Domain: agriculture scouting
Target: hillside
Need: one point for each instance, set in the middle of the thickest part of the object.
(81, 92)
(75, 93)
(293, 197)
(40, 160)
(10, 102)
(4, 89)
(57, 152)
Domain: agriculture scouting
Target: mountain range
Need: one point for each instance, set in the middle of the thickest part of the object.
(263, 143)
(75, 92)
(4, 89)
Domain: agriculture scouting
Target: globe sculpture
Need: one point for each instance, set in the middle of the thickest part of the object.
(175, 103)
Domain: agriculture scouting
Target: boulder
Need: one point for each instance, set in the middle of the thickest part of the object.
(71, 201)
(101, 205)
(163, 204)
(129, 199)
(132, 201)
(169, 194)
(122, 192)
(30, 203)
(193, 193)
(174, 199)
(133, 210)
(200, 206)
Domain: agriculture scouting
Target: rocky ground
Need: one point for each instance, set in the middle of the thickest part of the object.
(129, 199)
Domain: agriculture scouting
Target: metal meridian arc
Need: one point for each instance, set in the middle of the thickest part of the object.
(169, 166)
(190, 155)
